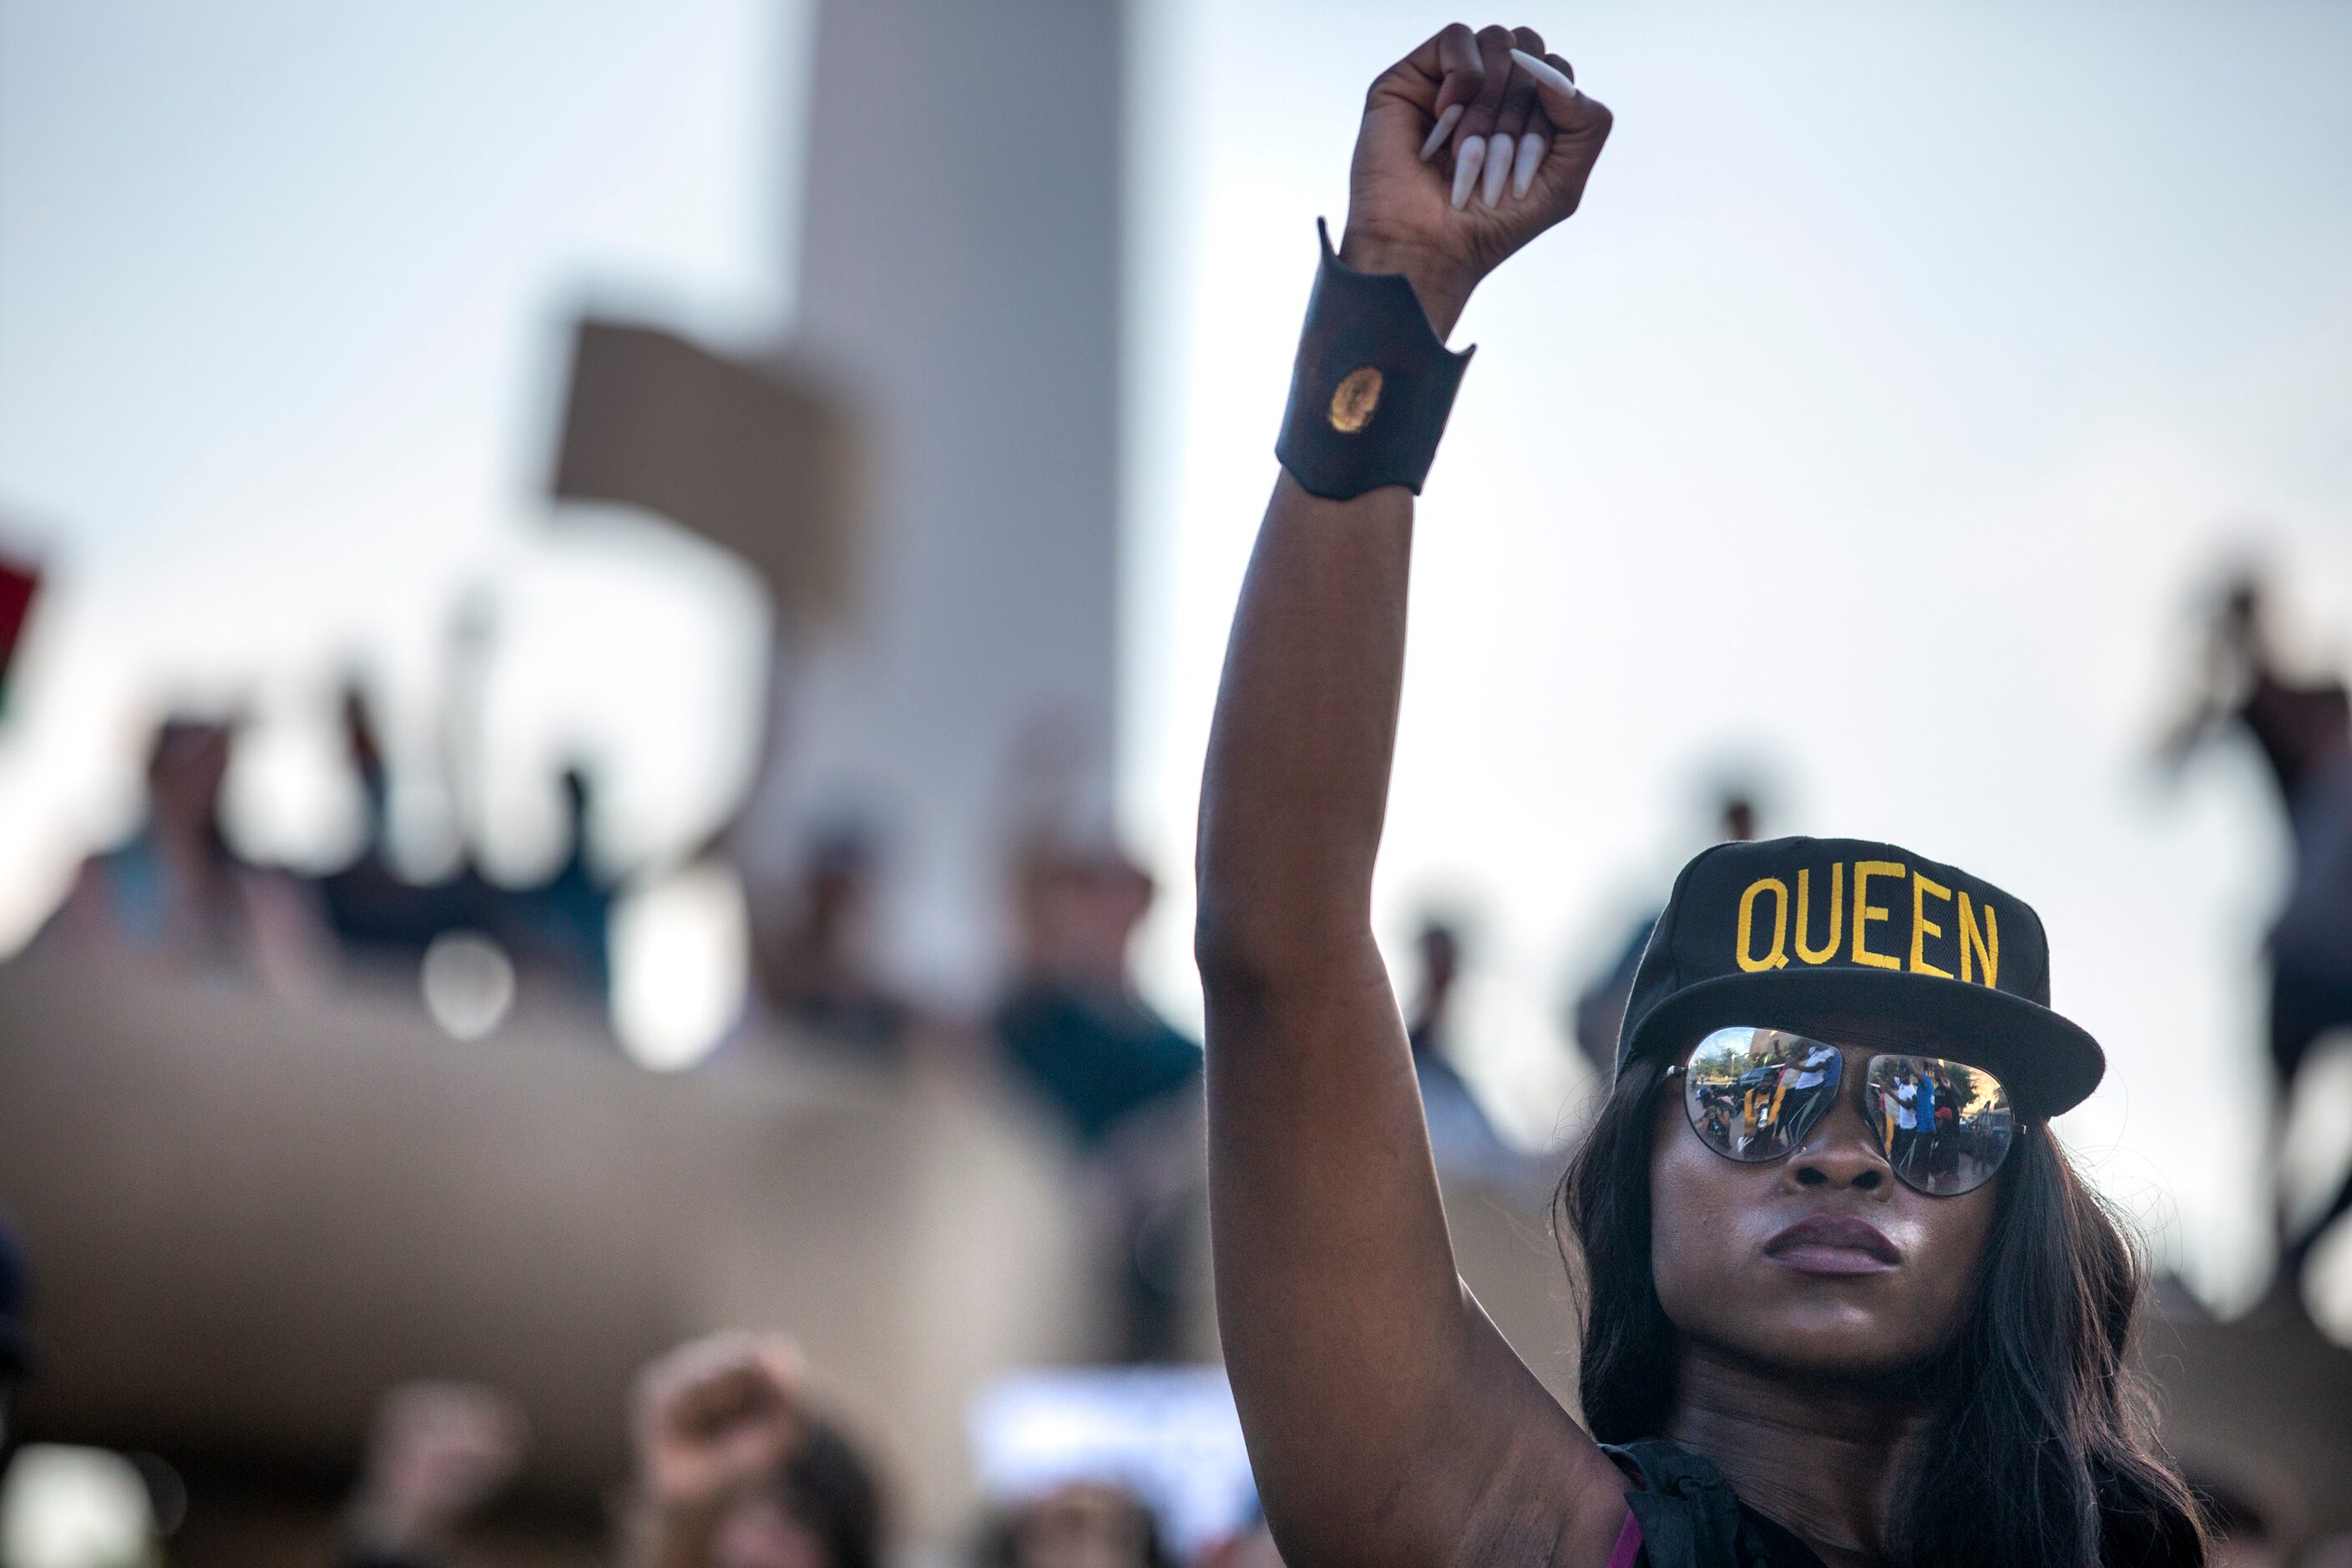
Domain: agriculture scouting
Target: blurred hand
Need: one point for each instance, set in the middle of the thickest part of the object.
(713, 1418)
(1465, 154)
(438, 1451)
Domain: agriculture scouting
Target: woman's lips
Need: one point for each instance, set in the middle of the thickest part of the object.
(1834, 1244)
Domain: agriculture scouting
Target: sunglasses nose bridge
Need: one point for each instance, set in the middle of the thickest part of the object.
(1841, 1148)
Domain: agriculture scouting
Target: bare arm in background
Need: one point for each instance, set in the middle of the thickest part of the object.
(1388, 1422)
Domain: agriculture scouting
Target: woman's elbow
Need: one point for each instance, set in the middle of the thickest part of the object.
(1234, 951)
(1250, 949)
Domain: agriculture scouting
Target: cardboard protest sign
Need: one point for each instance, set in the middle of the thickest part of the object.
(760, 459)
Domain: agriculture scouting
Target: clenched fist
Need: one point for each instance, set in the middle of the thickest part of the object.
(1471, 146)
(713, 1419)
(438, 1451)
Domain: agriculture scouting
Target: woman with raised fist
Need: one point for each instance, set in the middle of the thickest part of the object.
(1845, 1299)
(735, 1469)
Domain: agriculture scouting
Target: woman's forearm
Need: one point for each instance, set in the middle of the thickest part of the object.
(1295, 786)
(1296, 781)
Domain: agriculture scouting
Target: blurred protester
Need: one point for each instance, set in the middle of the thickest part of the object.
(1600, 1009)
(376, 912)
(176, 893)
(559, 928)
(437, 1453)
(1460, 1137)
(364, 748)
(736, 1470)
(1147, 1192)
(1073, 1024)
(1125, 1461)
(812, 961)
(1122, 1079)
(15, 1345)
(554, 933)
(1080, 1525)
(1112, 1465)
(2303, 728)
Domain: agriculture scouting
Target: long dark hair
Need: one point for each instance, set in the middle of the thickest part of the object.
(830, 1488)
(2035, 1418)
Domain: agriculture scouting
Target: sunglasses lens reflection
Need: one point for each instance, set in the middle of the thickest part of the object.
(1753, 1094)
(1946, 1126)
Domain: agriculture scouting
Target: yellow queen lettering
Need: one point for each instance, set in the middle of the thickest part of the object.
(1776, 956)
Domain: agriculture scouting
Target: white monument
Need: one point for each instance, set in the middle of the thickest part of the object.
(959, 272)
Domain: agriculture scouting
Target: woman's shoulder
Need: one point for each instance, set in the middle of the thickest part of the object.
(1690, 1518)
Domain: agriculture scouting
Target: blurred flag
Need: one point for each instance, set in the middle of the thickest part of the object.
(759, 459)
(18, 580)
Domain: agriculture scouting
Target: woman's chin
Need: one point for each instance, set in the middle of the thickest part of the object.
(1828, 1337)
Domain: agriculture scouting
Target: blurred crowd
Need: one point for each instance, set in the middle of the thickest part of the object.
(739, 1463)
(178, 893)
(1068, 1024)
(1068, 1029)
(736, 1463)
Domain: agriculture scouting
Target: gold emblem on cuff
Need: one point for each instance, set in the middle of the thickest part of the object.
(1355, 398)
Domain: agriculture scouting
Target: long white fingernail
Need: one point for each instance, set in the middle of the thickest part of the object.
(1466, 164)
(1499, 165)
(1523, 172)
(1544, 71)
(1444, 128)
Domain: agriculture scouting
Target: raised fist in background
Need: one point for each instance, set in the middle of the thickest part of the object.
(712, 1421)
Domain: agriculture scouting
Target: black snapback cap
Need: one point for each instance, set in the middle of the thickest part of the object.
(1860, 943)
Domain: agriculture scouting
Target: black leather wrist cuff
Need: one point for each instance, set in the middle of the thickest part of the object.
(1372, 386)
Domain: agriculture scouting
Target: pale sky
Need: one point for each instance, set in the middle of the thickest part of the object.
(1871, 428)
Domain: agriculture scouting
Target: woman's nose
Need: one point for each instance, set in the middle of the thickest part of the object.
(1841, 1152)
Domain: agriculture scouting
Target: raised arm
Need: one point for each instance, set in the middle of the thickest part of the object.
(1388, 1422)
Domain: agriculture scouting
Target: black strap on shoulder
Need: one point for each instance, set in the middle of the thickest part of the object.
(1373, 386)
(1691, 1518)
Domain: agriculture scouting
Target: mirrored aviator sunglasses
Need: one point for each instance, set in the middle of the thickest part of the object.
(1755, 1094)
